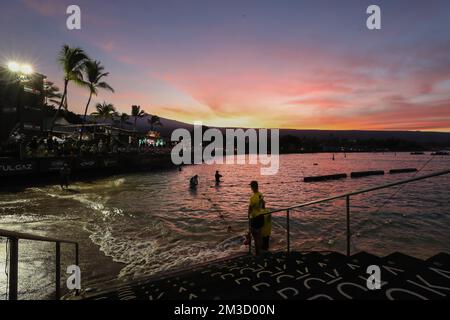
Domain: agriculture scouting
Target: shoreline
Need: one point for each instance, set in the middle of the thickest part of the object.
(19, 174)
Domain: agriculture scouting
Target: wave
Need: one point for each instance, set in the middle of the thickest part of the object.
(12, 202)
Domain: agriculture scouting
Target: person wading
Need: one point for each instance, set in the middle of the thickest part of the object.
(64, 175)
(218, 176)
(193, 183)
(256, 211)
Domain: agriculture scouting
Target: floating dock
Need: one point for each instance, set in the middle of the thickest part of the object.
(295, 275)
(360, 174)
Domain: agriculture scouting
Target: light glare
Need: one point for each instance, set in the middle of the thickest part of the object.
(26, 69)
(14, 66)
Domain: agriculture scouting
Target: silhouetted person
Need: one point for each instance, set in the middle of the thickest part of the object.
(64, 175)
(218, 176)
(193, 183)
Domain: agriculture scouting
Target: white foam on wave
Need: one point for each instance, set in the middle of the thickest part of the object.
(145, 249)
(117, 182)
(12, 202)
(99, 227)
(99, 185)
(162, 258)
(83, 186)
(91, 201)
(154, 248)
(98, 205)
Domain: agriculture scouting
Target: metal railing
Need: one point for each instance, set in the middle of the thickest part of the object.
(13, 274)
(347, 205)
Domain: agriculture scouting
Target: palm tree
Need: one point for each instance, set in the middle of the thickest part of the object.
(52, 95)
(94, 74)
(136, 112)
(71, 60)
(104, 111)
(123, 119)
(154, 121)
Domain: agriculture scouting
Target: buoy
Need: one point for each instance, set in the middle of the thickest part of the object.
(360, 174)
(325, 178)
(393, 171)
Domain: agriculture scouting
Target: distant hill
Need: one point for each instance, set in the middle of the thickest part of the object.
(417, 136)
(422, 137)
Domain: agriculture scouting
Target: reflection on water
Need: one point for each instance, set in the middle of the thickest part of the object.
(148, 223)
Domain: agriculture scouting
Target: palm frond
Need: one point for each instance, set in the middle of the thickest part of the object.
(105, 86)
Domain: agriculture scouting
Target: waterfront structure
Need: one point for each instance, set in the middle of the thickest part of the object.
(21, 103)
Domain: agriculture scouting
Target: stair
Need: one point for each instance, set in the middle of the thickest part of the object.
(304, 276)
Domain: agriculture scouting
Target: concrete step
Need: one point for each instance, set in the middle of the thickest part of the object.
(279, 276)
(422, 280)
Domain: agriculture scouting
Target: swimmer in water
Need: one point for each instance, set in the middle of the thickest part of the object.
(194, 182)
(218, 176)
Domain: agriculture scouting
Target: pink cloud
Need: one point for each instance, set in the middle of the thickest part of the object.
(47, 8)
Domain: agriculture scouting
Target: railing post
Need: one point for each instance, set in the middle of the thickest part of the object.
(348, 225)
(249, 237)
(77, 257)
(77, 263)
(58, 271)
(13, 267)
(288, 230)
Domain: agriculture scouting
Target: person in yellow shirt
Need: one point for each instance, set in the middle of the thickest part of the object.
(256, 211)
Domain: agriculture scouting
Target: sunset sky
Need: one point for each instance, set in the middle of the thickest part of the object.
(289, 64)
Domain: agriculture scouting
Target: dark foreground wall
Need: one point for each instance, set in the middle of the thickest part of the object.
(46, 170)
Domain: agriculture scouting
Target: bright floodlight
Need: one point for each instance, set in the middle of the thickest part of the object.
(26, 69)
(14, 66)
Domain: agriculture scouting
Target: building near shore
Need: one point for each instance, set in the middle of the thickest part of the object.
(21, 103)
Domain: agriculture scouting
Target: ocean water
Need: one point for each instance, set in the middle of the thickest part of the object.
(148, 223)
